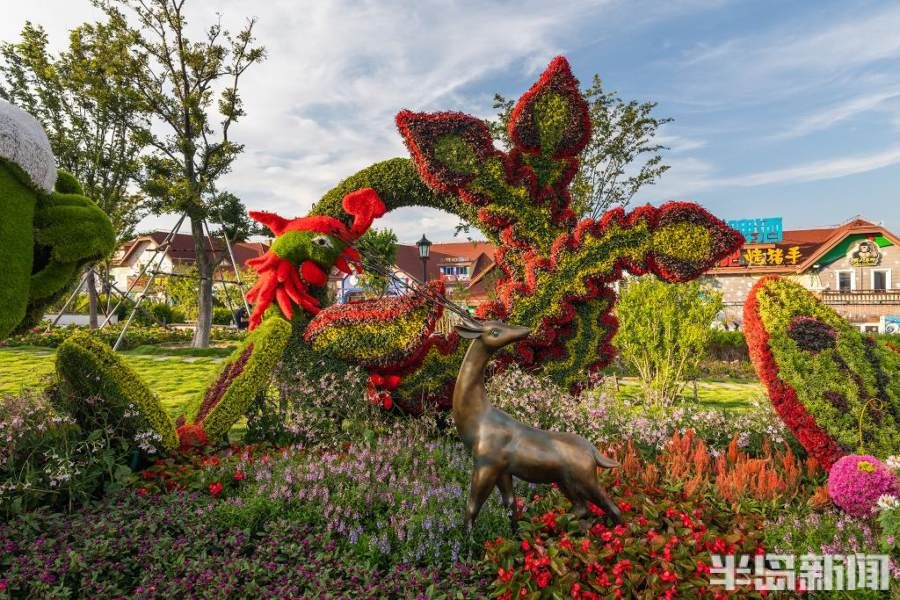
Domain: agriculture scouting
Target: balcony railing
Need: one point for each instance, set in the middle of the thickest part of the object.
(861, 297)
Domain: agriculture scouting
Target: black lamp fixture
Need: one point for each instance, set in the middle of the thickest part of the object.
(424, 246)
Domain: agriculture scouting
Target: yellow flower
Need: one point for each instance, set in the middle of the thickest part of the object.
(865, 466)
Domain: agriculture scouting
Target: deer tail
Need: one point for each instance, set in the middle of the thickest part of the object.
(604, 461)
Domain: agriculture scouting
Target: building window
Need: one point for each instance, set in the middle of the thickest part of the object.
(881, 280)
(462, 272)
(846, 281)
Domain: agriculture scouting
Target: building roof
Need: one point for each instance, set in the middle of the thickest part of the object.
(810, 244)
(472, 250)
(182, 250)
(407, 260)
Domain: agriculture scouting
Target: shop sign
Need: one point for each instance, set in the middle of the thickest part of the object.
(759, 231)
(864, 253)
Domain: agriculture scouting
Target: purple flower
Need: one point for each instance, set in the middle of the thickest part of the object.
(855, 483)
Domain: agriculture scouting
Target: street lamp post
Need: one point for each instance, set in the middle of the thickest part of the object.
(424, 251)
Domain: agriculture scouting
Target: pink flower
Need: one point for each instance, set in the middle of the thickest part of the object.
(855, 483)
(2, 585)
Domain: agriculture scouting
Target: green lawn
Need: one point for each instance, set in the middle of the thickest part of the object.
(177, 375)
(734, 396)
(173, 374)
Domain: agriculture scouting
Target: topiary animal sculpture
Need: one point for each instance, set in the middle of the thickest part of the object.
(292, 271)
(556, 271)
(48, 229)
(837, 390)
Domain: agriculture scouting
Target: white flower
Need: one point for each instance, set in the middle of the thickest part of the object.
(887, 502)
(893, 463)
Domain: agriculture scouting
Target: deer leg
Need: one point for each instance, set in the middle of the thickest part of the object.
(483, 480)
(599, 497)
(579, 509)
(507, 498)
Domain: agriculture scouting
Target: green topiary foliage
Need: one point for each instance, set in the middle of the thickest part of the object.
(46, 235)
(836, 389)
(89, 371)
(16, 246)
(70, 231)
(46, 239)
(245, 374)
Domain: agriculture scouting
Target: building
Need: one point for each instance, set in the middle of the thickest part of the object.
(131, 257)
(466, 268)
(854, 268)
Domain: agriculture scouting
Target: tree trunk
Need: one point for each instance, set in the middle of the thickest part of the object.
(91, 283)
(205, 268)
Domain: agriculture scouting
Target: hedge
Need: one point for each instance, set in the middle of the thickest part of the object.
(137, 335)
(89, 369)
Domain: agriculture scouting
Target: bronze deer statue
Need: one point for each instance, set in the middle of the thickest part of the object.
(503, 448)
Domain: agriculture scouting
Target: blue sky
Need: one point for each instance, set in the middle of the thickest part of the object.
(787, 109)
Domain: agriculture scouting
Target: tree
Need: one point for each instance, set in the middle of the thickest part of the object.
(183, 82)
(229, 213)
(664, 330)
(86, 100)
(379, 245)
(621, 157)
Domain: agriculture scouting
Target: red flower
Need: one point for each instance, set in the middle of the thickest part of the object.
(239, 476)
(215, 488)
(525, 546)
(549, 520)
(668, 576)
(702, 568)
(142, 491)
(542, 579)
(504, 575)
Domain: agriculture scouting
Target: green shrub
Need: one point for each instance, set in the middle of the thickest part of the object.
(154, 313)
(16, 246)
(89, 369)
(222, 316)
(727, 346)
(664, 330)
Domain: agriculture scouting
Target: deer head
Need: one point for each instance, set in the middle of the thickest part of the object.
(493, 334)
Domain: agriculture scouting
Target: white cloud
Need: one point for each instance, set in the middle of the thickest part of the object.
(688, 176)
(818, 170)
(806, 54)
(830, 116)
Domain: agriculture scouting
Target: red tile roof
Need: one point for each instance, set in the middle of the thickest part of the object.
(407, 260)
(181, 248)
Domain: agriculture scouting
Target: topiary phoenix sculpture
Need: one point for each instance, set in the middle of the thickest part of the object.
(556, 271)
